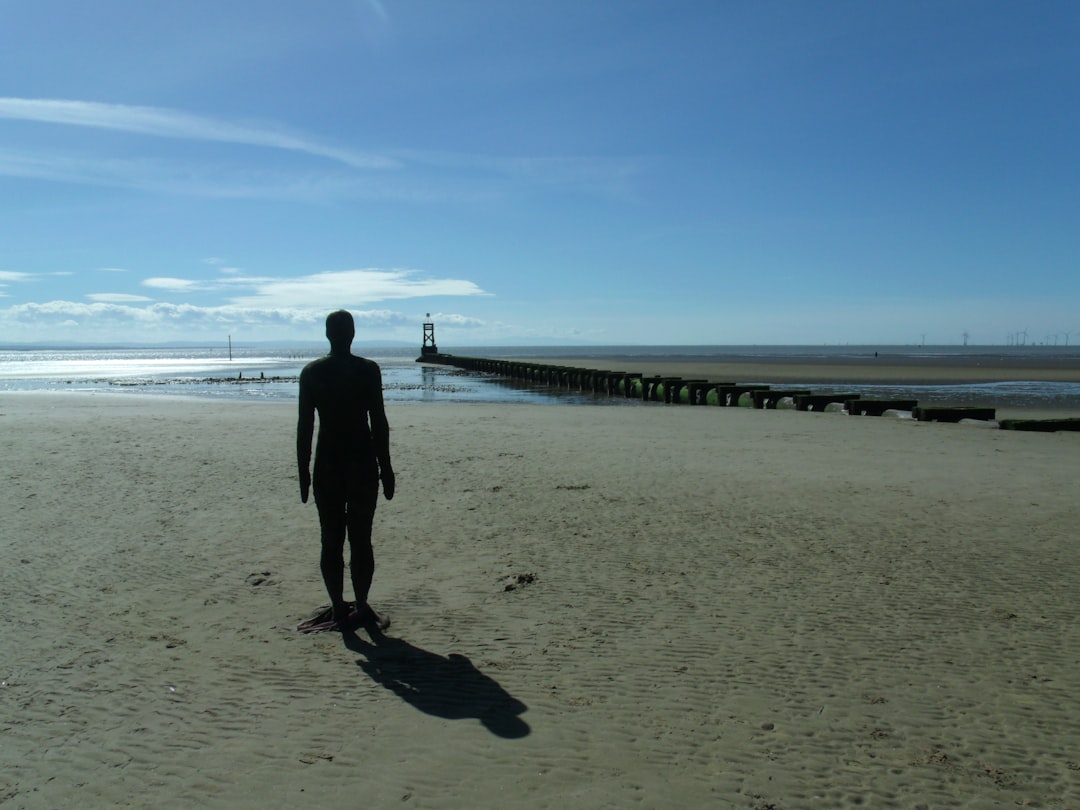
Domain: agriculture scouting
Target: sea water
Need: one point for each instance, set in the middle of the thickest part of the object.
(271, 373)
(264, 374)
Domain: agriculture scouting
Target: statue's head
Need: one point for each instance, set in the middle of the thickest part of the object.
(340, 328)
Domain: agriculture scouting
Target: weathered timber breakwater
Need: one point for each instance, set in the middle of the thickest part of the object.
(681, 391)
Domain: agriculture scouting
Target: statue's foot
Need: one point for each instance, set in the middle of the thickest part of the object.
(367, 615)
(344, 615)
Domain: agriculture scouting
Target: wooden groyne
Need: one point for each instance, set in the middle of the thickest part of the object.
(678, 391)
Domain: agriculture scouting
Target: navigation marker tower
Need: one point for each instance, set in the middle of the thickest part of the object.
(429, 346)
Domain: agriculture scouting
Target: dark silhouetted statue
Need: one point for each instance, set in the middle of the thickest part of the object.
(351, 457)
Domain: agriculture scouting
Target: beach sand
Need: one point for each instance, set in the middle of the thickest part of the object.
(594, 607)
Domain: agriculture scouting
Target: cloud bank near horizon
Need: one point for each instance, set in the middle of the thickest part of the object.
(104, 321)
(295, 305)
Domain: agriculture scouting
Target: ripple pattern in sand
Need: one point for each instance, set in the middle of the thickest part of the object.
(619, 615)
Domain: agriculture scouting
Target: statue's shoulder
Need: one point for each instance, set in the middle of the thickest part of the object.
(314, 366)
(365, 365)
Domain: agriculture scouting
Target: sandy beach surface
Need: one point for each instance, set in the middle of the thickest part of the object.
(593, 607)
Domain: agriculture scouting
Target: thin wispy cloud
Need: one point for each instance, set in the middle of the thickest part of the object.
(168, 123)
(379, 9)
(612, 177)
(176, 284)
(422, 177)
(156, 175)
(8, 277)
(118, 298)
(232, 180)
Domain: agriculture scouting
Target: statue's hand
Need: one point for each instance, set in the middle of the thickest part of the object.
(388, 485)
(305, 485)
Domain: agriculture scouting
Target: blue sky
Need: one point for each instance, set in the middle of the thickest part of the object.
(568, 171)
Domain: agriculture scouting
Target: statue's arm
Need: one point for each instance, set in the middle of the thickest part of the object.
(305, 428)
(380, 436)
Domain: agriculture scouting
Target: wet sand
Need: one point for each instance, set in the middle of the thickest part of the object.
(593, 607)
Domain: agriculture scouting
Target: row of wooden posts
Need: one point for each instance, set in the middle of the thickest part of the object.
(678, 390)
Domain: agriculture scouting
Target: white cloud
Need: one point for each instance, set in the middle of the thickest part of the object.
(153, 314)
(9, 276)
(343, 288)
(283, 307)
(458, 321)
(333, 289)
(162, 321)
(118, 298)
(167, 123)
(174, 284)
(112, 270)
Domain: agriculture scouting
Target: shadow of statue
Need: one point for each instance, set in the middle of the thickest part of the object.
(450, 687)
